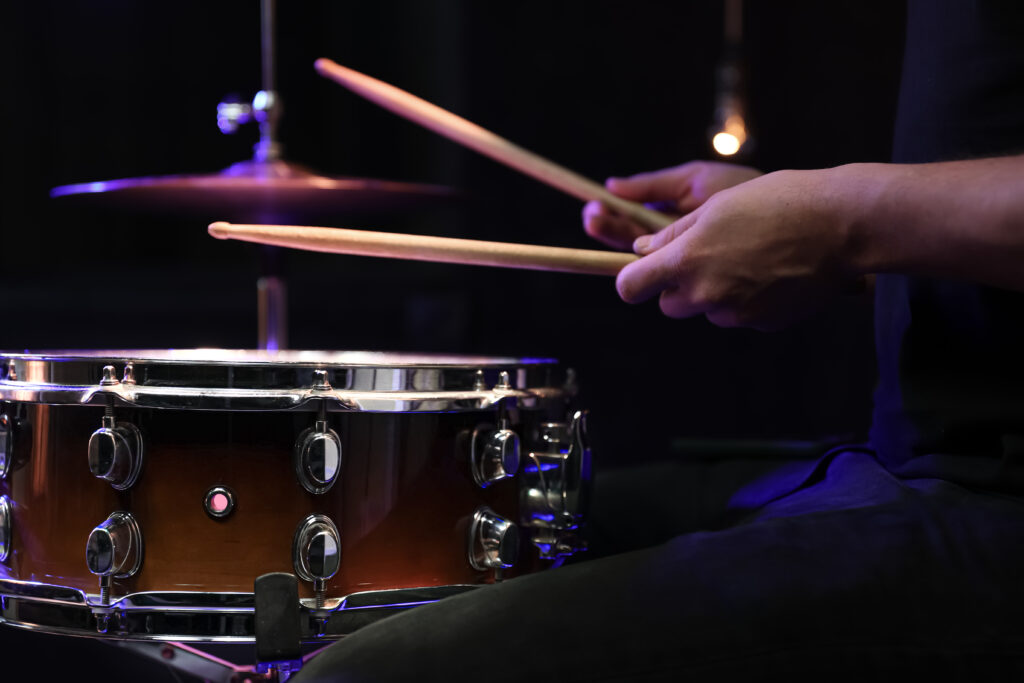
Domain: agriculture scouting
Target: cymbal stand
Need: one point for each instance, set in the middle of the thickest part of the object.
(265, 109)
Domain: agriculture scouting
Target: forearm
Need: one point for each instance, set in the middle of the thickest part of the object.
(958, 220)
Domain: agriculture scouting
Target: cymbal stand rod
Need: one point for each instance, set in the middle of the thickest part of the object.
(271, 291)
(267, 35)
(268, 148)
(272, 313)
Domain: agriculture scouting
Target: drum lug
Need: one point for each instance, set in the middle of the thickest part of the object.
(116, 452)
(6, 524)
(116, 449)
(15, 438)
(493, 541)
(114, 550)
(494, 453)
(316, 556)
(6, 444)
(556, 490)
(554, 544)
(317, 456)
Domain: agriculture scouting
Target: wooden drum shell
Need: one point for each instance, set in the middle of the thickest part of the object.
(402, 502)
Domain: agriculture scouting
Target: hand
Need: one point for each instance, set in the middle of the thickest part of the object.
(675, 191)
(761, 254)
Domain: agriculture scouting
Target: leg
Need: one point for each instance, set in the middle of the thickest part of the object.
(922, 577)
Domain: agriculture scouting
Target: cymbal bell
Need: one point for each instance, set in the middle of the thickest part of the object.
(256, 190)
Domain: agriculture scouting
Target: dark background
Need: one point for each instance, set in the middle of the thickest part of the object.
(95, 91)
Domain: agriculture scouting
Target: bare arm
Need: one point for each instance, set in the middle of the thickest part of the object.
(773, 249)
(959, 220)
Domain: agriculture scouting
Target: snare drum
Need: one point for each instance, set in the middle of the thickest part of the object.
(143, 492)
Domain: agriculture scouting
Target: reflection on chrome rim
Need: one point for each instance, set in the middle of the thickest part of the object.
(214, 379)
(192, 617)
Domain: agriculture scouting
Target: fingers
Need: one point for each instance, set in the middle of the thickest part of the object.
(646, 244)
(667, 273)
(609, 228)
(668, 184)
(645, 277)
(677, 303)
(679, 299)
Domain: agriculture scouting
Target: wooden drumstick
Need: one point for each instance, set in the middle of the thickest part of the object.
(498, 148)
(428, 248)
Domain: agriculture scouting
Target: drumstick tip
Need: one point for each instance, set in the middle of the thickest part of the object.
(219, 229)
(323, 65)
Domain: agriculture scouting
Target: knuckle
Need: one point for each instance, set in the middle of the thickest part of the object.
(665, 236)
(682, 262)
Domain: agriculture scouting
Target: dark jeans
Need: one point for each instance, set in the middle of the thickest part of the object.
(855, 575)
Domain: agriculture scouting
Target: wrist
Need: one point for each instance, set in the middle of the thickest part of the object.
(853, 193)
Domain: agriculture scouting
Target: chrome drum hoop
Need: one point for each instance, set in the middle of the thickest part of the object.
(193, 617)
(246, 380)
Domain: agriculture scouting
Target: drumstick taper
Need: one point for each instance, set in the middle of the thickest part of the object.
(428, 248)
(498, 148)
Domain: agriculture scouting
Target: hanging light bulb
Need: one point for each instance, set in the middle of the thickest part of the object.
(729, 128)
(730, 135)
(726, 144)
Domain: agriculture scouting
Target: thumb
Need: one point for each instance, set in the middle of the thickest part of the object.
(668, 184)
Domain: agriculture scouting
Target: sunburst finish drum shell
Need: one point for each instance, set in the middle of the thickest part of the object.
(403, 498)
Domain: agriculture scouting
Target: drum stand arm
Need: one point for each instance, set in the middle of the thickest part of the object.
(191, 661)
(195, 662)
(278, 646)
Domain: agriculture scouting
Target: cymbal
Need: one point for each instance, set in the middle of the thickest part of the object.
(256, 190)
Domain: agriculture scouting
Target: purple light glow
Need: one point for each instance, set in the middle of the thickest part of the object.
(542, 468)
(396, 605)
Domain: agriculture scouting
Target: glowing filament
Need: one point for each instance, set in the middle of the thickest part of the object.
(725, 144)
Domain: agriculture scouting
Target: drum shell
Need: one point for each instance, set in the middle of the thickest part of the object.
(402, 501)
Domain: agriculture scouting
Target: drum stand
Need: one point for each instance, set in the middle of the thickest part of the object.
(278, 645)
(194, 662)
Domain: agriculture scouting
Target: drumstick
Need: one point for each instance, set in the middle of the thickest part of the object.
(428, 248)
(487, 143)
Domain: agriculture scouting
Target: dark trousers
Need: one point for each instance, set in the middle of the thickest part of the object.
(854, 575)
